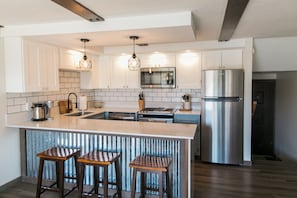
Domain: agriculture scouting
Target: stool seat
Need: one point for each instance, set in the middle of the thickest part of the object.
(59, 155)
(153, 164)
(100, 159)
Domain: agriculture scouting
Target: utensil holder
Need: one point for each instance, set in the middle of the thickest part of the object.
(141, 104)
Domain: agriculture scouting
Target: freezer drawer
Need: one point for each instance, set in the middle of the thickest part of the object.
(221, 132)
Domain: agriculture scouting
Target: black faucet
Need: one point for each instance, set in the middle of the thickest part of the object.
(68, 109)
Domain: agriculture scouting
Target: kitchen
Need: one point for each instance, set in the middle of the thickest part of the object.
(115, 96)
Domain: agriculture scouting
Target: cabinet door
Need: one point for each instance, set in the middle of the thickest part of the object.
(32, 67)
(90, 79)
(133, 81)
(49, 68)
(188, 70)
(232, 59)
(119, 68)
(104, 70)
(157, 60)
(191, 119)
(211, 59)
(69, 59)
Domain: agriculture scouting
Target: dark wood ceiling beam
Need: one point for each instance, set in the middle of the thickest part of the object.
(79, 9)
(233, 13)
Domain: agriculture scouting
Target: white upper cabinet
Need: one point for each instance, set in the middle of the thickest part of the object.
(121, 76)
(90, 79)
(104, 72)
(30, 66)
(157, 60)
(188, 70)
(232, 58)
(222, 59)
(49, 68)
(69, 59)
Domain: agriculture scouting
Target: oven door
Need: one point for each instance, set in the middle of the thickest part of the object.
(155, 118)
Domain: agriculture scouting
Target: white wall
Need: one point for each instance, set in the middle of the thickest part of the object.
(275, 54)
(285, 116)
(247, 119)
(9, 138)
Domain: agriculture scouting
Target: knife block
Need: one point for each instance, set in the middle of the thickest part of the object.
(141, 104)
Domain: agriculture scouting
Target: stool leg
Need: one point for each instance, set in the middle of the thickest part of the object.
(76, 168)
(168, 186)
(96, 175)
(118, 178)
(39, 181)
(105, 181)
(133, 183)
(160, 184)
(81, 179)
(142, 183)
(57, 174)
(61, 179)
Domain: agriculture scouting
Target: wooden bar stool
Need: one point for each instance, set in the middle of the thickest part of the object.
(100, 159)
(59, 155)
(153, 164)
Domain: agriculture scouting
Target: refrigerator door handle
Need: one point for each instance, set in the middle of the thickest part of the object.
(223, 99)
(232, 99)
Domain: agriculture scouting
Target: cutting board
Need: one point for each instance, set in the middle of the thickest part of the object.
(63, 105)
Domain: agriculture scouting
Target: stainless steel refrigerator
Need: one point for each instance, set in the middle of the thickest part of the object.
(222, 116)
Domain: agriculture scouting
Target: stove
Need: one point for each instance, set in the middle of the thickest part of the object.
(156, 114)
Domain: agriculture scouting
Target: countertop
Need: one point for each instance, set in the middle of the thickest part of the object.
(112, 127)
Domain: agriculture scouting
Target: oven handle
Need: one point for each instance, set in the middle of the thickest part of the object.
(155, 120)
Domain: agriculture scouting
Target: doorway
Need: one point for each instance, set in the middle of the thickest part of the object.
(263, 117)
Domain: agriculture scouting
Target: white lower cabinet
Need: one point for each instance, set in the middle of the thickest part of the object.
(188, 70)
(121, 76)
(30, 66)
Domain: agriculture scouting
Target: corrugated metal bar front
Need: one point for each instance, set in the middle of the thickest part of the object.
(129, 147)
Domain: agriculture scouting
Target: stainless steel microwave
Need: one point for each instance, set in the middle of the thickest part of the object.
(160, 77)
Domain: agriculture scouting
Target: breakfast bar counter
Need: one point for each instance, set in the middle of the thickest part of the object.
(130, 138)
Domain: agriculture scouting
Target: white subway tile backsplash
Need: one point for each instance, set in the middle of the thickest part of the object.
(14, 109)
(109, 93)
(70, 82)
(26, 94)
(13, 95)
(20, 101)
(10, 101)
(166, 99)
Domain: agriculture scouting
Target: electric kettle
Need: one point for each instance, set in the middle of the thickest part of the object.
(40, 111)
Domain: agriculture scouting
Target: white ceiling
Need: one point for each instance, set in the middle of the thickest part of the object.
(262, 18)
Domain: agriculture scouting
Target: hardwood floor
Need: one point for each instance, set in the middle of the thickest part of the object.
(265, 179)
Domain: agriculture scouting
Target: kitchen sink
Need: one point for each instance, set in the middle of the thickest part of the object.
(79, 113)
(113, 116)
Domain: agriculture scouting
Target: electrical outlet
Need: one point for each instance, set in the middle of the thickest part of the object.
(27, 106)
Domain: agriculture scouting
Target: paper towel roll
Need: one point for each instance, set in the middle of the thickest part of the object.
(83, 103)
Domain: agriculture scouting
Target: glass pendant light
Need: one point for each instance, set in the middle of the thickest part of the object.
(134, 62)
(85, 63)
